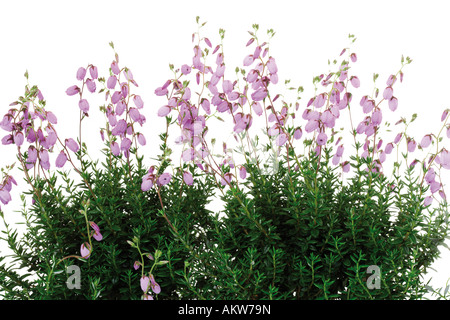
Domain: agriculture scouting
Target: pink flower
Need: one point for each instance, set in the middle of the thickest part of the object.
(388, 92)
(427, 201)
(227, 86)
(321, 138)
(32, 154)
(164, 111)
(61, 160)
(311, 125)
(434, 186)
(94, 72)
(141, 139)
(298, 133)
(256, 106)
(120, 107)
(136, 265)
(430, 176)
(44, 159)
(138, 101)
(391, 80)
(272, 66)
(340, 150)
(111, 83)
(411, 145)
(185, 69)
(147, 182)
(81, 73)
(393, 103)
(187, 178)
(426, 141)
(389, 148)
(115, 67)
(115, 149)
(319, 101)
(85, 250)
(242, 172)
(259, 95)
(5, 196)
(125, 144)
(346, 166)
(248, 60)
(72, 90)
(444, 115)
(336, 159)
(145, 283)
(72, 145)
(226, 179)
(445, 159)
(18, 138)
(91, 85)
(281, 139)
(397, 138)
(355, 81)
(164, 178)
(353, 57)
(377, 117)
(252, 76)
(154, 285)
(120, 128)
(84, 105)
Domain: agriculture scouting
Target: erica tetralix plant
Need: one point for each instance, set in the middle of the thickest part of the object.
(281, 204)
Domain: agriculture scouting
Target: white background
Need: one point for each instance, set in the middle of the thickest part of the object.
(52, 39)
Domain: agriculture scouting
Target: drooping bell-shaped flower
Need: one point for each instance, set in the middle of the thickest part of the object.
(125, 144)
(298, 133)
(311, 125)
(272, 66)
(83, 104)
(427, 201)
(227, 86)
(141, 139)
(111, 82)
(242, 172)
(259, 94)
(387, 93)
(355, 81)
(93, 70)
(85, 250)
(120, 128)
(5, 196)
(444, 159)
(248, 60)
(147, 181)
(138, 102)
(430, 176)
(154, 285)
(115, 67)
(320, 100)
(393, 103)
(281, 139)
(377, 116)
(18, 138)
(426, 141)
(187, 178)
(61, 160)
(411, 145)
(72, 145)
(145, 283)
(72, 90)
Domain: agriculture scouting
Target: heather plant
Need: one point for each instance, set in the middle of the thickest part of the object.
(283, 204)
